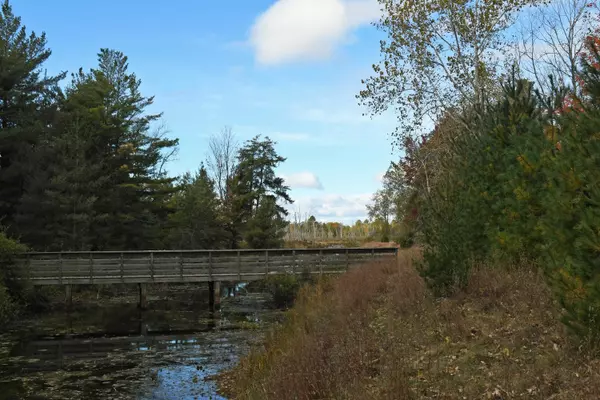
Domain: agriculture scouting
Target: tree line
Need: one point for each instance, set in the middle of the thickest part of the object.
(376, 229)
(312, 230)
(499, 114)
(83, 163)
(84, 166)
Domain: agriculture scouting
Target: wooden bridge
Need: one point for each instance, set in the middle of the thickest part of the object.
(183, 266)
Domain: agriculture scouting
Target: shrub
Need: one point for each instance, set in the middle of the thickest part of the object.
(283, 288)
(11, 290)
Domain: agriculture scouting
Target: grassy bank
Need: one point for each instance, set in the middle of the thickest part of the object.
(377, 333)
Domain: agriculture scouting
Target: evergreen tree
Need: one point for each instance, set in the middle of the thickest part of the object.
(255, 181)
(195, 222)
(27, 107)
(487, 205)
(137, 191)
(102, 185)
(266, 228)
(569, 227)
(58, 211)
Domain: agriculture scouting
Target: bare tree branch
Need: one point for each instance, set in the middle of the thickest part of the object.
(553, 37)
(222, 159)
(160, 133)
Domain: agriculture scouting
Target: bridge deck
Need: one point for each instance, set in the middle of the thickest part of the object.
(61, 268)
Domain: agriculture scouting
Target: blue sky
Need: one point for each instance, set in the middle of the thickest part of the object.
(288, 69)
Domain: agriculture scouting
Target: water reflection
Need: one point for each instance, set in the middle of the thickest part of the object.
(119, 352)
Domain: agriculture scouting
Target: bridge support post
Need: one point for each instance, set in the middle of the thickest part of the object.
(143, 300)
(68, 295)
(214, 295)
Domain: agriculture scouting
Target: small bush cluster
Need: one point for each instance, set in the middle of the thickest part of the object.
(284, 288)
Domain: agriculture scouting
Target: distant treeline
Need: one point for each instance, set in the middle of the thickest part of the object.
(313, 230)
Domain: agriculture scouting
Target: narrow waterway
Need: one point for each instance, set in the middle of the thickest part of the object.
(114, 351)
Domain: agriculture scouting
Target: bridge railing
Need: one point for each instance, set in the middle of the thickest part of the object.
(56, 268)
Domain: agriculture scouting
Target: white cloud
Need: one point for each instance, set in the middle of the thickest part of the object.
(333, 207)
(300, 180)
(294, 30)
(379, 177)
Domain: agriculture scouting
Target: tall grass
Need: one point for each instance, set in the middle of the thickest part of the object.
(377, 333)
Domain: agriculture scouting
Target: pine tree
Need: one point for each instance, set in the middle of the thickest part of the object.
(487, 206)
(195, 223)
(27, 107)
(58, 210)
(253, 182)
(266, 228)
(102, 185)
(569, 228)
(136, 194)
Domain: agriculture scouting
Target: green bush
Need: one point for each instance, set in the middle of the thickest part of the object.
(12, 291)
(283, 288)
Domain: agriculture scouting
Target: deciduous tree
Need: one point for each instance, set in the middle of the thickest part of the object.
(222, 159)
(440, 57)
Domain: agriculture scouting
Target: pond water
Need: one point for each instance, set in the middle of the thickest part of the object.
(115, 351)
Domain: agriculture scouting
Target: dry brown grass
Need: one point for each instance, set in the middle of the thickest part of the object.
(377, 333)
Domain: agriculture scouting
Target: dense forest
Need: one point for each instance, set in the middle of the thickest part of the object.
(498, 106)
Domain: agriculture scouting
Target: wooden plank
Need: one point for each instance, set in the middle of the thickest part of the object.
(195, 259)
(239, 265)
(91, 268)
(152, 265)
(320, 262)
(266, 262)
(210, 264)
(121, 266)
(181, 265)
